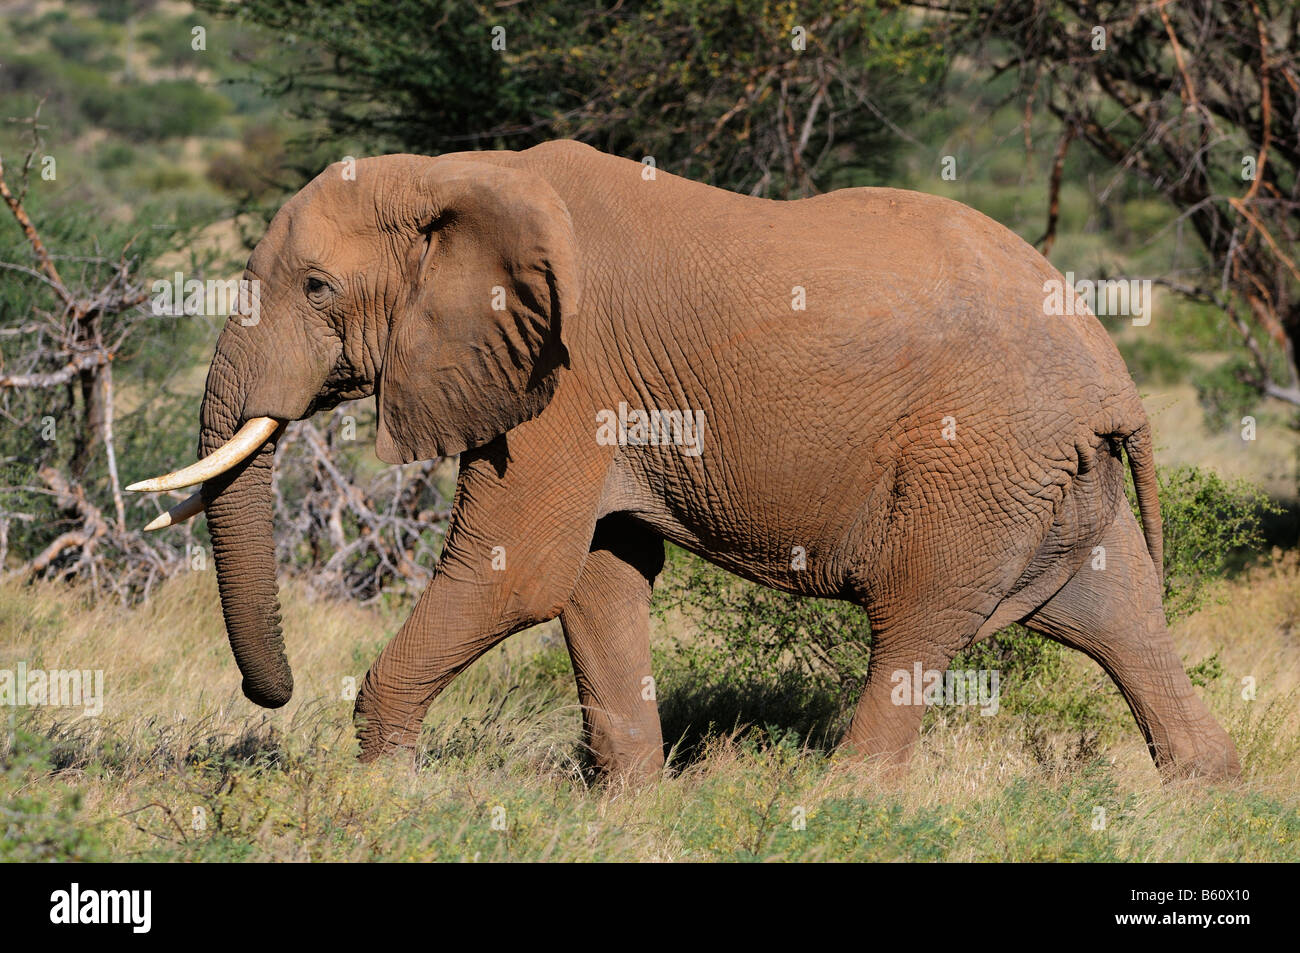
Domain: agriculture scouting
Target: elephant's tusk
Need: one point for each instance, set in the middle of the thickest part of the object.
(187, 508)
(252, 435)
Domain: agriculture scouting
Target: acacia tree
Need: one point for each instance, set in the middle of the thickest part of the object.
(1200, 100)
(768, 98)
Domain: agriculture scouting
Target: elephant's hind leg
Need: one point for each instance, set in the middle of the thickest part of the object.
(887, 722)
(1114, 615)
(939, 581)
(607, 626)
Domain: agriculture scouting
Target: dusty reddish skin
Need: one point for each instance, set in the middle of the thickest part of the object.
(824, 429)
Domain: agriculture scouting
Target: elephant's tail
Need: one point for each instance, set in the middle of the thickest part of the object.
(1141, 460)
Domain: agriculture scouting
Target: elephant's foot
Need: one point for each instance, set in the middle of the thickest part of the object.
(1207, 754)
(864, 758)
(371, 752)
(1220, 765)
(871, 750)
(880, 750)
(625, 752)
(379, 739)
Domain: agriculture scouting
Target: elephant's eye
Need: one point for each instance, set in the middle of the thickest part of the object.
(315, 287)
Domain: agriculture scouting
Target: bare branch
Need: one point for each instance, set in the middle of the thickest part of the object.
(66, 373)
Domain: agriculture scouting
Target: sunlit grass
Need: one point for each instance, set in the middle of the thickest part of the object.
(181, 766)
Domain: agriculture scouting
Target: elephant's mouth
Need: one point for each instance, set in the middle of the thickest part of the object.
(229, 455)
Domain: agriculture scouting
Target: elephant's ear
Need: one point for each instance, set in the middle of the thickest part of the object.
(475, 346)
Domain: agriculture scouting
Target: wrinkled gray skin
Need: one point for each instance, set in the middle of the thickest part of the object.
(824, 429)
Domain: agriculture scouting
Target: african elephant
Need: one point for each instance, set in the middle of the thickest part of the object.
(857, 396)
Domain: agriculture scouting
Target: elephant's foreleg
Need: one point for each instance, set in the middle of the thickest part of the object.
(607, 626)
(516, 545)
(448, 630)
(1114, 615)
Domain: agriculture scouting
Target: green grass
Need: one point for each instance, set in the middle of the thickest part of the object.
(181, 767)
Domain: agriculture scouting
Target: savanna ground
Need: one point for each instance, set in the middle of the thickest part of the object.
(181, 767)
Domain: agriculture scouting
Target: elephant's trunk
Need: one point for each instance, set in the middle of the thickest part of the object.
(238, 505)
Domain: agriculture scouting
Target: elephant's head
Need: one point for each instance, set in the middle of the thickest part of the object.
(440, 285)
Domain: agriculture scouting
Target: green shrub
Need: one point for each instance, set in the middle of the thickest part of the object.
(45, 427)
(1154, 362)
(155, 111)
(81, 43)
(1210, 524)
(1224, 394)
(174, 39)
(116, 155)
(41, 822)
(761, 637)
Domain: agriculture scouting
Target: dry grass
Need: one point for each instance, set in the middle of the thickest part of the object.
(177, 742)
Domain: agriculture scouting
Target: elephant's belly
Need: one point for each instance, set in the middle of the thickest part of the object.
(805, 529)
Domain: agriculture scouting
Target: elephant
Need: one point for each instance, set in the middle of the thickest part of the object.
(858, 396)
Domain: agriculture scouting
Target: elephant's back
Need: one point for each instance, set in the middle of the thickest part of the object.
(940, 286)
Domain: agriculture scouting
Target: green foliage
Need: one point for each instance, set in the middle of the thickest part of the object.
(1034, 680)
(761, 638)
(1209, 524)
(139, 86)
(1225, 395)
(116, 155)
(154, 111)
(714, 91)
(285, 785)
(267, 794)
(879, 829)
(252, 171)
(1153, 362)
(82, 42)
(1198, 326)
(701, 697)
(173, 40)
(46, 427)
(41, 823)
(1139, 60)
(1206, 671)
